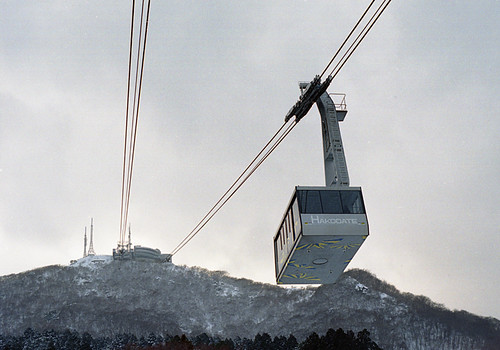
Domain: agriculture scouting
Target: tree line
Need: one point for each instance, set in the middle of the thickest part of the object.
(72, 340)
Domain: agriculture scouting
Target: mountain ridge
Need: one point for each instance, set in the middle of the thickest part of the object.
(111, 297)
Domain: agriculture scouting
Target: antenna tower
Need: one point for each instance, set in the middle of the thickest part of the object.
(85, 243)
(91, 244)
(129, 245)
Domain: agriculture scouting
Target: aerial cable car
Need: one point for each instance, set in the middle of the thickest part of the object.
(323, 226)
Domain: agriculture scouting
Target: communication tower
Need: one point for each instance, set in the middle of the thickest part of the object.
(129, 244)
(91, 244)
(85, 243)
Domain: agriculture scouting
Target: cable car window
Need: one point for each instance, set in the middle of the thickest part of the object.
(331, 202)
(301, 198)
(310, 202)
(352, 202)
(286, 227)
(286, 230)
(295, 219)
(281, 241)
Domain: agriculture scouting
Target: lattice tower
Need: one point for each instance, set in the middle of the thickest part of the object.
(91, 244)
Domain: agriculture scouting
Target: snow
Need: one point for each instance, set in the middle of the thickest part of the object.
(361, 288)
(81, 281)
(385, 296)
(91, 295)
(305, 295)
(93, 261)
(224, 289)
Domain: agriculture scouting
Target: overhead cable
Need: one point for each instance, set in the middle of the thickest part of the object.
(132, 116)
(346, 39)
(127, 118)
(312, 91)
(264, 153)
(366, 29)
(309, 96)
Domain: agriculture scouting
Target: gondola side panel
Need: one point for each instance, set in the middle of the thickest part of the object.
(329, 226)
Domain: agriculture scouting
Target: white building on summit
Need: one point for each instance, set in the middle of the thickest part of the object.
(139, 253)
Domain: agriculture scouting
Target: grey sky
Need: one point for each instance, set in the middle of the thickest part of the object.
(421, 135)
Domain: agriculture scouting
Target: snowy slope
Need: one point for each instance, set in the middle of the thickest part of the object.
(106, 297)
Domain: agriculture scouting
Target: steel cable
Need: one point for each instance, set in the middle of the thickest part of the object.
(127, 116)
(368, 26)
(347, 38)
(137, 99)
(215, 209)
(230, 192)
(132, 117)
(233, 188)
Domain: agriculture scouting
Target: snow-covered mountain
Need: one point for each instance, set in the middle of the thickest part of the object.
(106, 297)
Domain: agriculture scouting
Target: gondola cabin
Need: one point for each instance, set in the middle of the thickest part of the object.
(319, 234)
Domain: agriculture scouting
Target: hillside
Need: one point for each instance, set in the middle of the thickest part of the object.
(109, 297)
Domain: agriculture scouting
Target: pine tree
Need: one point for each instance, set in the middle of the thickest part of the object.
(291, 343)
(263, 342)
(313, 342)
(364, 342)
(86, 341)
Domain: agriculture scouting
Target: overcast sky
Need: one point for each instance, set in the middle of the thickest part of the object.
(421, 135)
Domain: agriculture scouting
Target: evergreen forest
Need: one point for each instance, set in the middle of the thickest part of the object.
(72, 340)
